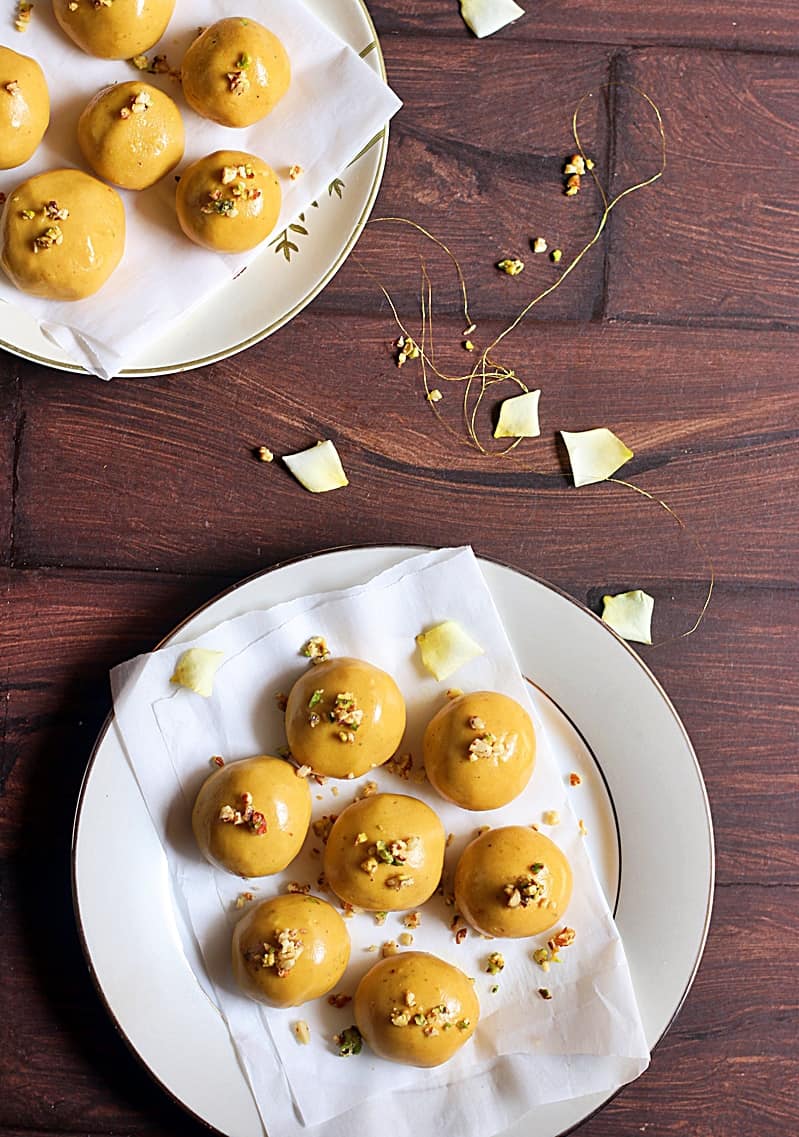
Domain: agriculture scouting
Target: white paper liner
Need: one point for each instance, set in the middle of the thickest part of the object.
(527, 1051)
(335, 105)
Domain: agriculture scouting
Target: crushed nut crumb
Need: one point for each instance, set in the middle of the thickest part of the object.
(545, 992)
(581, 828)
(412, 920)
(245, 815)
(435, 396)
(339, 1001)
(238, 81)
(13, 87)
(495, 963)
(23, 16)
(526, 890)
(539, 245)
(406, 939)
(282, 954)
(316, 649)
(400, 765)
(550, 817)
(323, 825)
(264, 454)
(574, 779)
(453, 692)
(390, 947)
(487, 745)
(51, 237)
(556, 255)
(218, 760)
(511, 266)
(302, 1032)
(244, 898)
(367, 790)
(562, 939)
(295, 172)
(349, 1042)
(298, 888)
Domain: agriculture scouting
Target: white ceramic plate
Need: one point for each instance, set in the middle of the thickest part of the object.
(650, 838)
(280, 282)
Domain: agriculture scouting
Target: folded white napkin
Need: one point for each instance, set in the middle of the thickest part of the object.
(526, 1051)
(334, 107)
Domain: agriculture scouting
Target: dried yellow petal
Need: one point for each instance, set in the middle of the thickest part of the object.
(594, 454)
(446, 648)
(485, 17)
(630, 615)
(196, 669)
(518, 417)
(318, 469)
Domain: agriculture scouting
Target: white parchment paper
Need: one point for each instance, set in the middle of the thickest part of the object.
(526, 1051)
(334, 107)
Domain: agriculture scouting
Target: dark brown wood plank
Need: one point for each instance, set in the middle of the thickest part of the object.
(10, 427)
(158, 474)
(765, 25)
(717, 240)
(478, 163)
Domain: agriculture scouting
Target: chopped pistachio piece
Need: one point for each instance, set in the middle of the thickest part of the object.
(349, 1042)
(318, 469)
(511, 266)
(446, 648)
(484, 17)
(518, 417)
(195, 670)
(630, 615)
(594, 454)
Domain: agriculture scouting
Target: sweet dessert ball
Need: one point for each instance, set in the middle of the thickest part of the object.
(235, 72)
(63, 235)
(289, 950)
(385, 853)
(114, 29)
(512, 882)
(131, 134)
(228, 201)
(479, 750)
(24, 108)
(251, 817)
(415, 1008)
(344, 717)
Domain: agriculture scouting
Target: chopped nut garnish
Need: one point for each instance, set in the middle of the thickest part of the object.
(367, 790)
(488, 745)
(539, 245)
(435, 396)
(298, 888)
(345, 712)
(346, 736)
(264, 454)
(339, 1001)
(412, 920)
(380, 917)
(140, 62)
(244, 898)
(575, 165)
(53, 212)
(349, 1042)
(512, 266)
(463, 1024)
(406, 349)
(302, 1032)
(232, 174)
(360, 839)
(476, 723)
(461, 935)
(348, 910)
(495, 963)
(574, 779)
(316, 649)
(468, 345)
(550, 817)
(453, 692)
(493, 988)
(238, 81)
(589, 163)
(224, 207)
(218, 760)
(138, 104)
(556, 255)
(371, 947)
(282, 955)
(581, 828)
(48, 239)
(13, 87)
(545, 992)
(295, 172)
(562, 939)
(541, 957)
(246, 815)
(400, 765)
(398, 881)
(27, 214)
(23, 16)
(525, 890)
(390, 947)
(406, 939)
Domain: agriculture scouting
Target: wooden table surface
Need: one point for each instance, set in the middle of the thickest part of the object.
(127, 504)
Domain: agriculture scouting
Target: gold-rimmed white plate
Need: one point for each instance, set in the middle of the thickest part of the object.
(645, 805)
(292, 269)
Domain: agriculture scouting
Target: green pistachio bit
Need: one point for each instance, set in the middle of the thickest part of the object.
(315, 698)
(349, 1042)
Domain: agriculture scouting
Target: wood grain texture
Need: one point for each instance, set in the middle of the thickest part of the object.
(124, 506)
(759, 25)
(717, 241)
(478, 163)
(159, 474)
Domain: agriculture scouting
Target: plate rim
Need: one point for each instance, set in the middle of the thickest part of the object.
(411, 549)
(68, 367)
